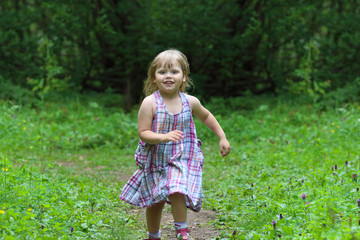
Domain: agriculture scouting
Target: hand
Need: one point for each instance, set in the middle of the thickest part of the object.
(175, 136)
(224, 147)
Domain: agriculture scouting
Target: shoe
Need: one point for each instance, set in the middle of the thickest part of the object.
(182, 234)
(153, 239)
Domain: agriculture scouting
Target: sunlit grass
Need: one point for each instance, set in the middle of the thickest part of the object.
(63, 165)
(278, 156)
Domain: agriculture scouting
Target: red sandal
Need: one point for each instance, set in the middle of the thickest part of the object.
(182, 234)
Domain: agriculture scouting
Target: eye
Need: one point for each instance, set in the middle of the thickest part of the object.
(161, 72)
(174, 72)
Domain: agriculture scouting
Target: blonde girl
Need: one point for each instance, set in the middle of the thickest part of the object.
(169, 153)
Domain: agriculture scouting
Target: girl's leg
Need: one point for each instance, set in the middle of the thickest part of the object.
(153, 217)
(179, 211)
(178, 207)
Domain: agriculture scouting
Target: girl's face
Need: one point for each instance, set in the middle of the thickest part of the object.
(169, 77)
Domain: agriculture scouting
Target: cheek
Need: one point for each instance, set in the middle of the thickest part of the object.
(159, 76)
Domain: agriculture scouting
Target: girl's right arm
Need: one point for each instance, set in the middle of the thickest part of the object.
(145, 118)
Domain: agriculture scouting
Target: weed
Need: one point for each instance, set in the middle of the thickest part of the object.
(292, 173)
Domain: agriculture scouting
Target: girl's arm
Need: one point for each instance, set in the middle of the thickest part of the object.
(145, 118)
(210, 121)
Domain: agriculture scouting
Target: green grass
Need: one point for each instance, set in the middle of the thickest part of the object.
(63, 164)
(280, 152)
(49, 205)
(60, 167)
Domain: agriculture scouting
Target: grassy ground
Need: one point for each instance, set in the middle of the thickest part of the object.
(294, 161)
(63, 165)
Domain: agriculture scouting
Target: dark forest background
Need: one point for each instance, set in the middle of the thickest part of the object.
(235, 47)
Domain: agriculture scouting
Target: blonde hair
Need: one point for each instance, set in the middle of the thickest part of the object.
(166, 58)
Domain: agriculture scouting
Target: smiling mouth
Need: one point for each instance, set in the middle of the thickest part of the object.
(168, 82)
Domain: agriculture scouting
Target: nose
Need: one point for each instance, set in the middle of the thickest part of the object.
(168, 75)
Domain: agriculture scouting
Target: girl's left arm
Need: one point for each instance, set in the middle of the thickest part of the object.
(210, 121)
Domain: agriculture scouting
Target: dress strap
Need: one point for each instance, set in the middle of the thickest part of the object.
(185, 101)
(159, 102)
(157, 96)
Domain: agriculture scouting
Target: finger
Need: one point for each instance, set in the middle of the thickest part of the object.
(225, 151)
(222, 150)
(178, 138)
(228, 150)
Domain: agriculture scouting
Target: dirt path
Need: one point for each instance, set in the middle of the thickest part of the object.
(199, 224)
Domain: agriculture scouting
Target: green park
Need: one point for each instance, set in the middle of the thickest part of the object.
(281, 77)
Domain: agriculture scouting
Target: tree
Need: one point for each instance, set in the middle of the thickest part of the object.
(233, 46)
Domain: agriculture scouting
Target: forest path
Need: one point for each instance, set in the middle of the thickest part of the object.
(199, 224)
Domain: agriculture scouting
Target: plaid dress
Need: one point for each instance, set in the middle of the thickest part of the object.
(171, 167)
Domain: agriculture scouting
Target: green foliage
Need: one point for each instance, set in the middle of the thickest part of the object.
(46, 205)
(18, 42)
(12, 92)
(64, 162)
(349, 93)
(305, 83)
(52, 81)
(66, 126)
(279, 152)
(234, 47)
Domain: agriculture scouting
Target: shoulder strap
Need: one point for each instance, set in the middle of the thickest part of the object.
(158, 101)
(185, 101)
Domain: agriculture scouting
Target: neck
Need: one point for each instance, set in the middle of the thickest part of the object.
(169, 95)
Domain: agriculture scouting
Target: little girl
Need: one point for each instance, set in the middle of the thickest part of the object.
(168, 155)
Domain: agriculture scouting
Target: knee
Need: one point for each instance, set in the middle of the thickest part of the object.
(159, 205)
(176, 196)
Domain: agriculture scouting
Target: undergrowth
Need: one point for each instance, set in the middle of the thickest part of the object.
(48, 205)
(292, 173)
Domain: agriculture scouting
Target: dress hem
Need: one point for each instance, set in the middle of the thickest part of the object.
(163, 200)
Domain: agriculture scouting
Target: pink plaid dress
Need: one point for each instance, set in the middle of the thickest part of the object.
(171, 167)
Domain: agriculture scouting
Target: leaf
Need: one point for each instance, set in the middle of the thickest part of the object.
(94, 105)
(287, 230)
(256, 236)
